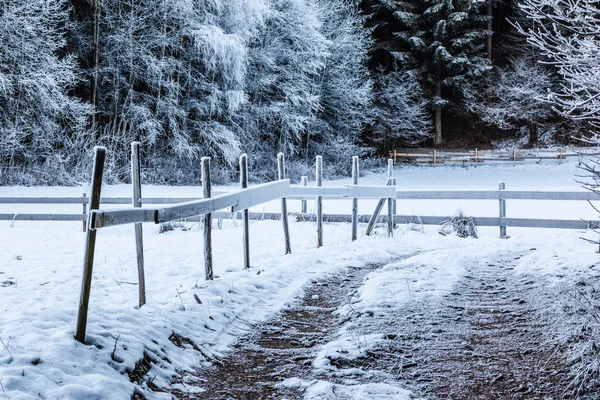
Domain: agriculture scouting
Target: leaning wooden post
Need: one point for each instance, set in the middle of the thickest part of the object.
(208, 264)
(246, 212)
(303, 182)
(84, 209)
(501, 187)
(90, 244)
(284, 213)
(319, 179)
(377, 211)
(137, 202)
(354, 200)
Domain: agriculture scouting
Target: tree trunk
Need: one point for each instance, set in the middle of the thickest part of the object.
(489, 28)
(437, 141)
(533, 133)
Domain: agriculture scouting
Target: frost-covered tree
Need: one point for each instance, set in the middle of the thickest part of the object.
(346, 89)
(403, 117)
(286, 61)
(567, 34)
(171, 73)
(516, 97)
(40, 125)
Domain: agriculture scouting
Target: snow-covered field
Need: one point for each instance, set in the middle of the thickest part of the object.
(41, 264)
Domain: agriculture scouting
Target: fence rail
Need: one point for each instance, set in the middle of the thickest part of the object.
(478, 156)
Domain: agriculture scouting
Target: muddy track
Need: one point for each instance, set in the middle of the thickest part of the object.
(282, 347)
(486, 340)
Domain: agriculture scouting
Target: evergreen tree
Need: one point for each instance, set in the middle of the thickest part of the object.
(454, 50)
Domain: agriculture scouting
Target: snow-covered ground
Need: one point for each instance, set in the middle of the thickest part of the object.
(41, 263)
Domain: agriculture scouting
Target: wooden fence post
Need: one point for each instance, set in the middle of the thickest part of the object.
(206, 192)
(434, 157)
(515, 156)
(390, 175)
(303, 182)
(137, 202)
(501, 187)
(354, 200)
(390, 222)
(246, 212)
(284, 213)
(90, 245)
(84, 209)
(319, 179)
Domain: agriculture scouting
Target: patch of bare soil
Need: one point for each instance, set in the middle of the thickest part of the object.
(281, 348)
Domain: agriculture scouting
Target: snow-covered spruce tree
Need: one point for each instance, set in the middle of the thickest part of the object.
(454, 50)
(398, 70)
(41, 128)
(516, 97)
(565, 33)
(170, 74)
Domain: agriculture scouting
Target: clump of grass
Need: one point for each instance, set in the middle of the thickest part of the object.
(461, 224)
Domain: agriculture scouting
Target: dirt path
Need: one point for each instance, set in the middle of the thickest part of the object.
(283, 347)
(484, 340)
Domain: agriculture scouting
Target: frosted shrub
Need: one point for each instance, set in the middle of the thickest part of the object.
(460, 224)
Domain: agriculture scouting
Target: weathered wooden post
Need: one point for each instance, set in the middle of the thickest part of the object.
(354, 200)
(284, 213)
(246, 212)
(137, 202)
(206, 193)
(434, 157)
(84, 211)
(501, 187)
(90, 245)
(319, 179)
(515, 156)
(303, 182)
(390, 222)
(390, 175)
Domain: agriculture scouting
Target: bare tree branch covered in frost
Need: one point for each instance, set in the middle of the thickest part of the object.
(515, 98)
(40, 124)
(567, 34)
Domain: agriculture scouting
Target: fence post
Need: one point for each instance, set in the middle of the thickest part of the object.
(476, 154)
(303, 182)
(137, 202)
(390, 174)
(390, 221)
(246, 212)
(501, 187)
(208, 265)
(434, 157)
(284, 213)
(319, 179)
(514, 156)
(84, 209)
(354, 200)
(90, 245)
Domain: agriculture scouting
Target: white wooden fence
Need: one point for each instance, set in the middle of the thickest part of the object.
(246, 197)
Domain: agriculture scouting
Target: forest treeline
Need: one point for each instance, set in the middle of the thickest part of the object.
(193, 78)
